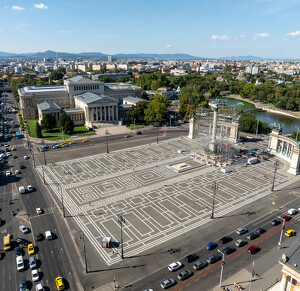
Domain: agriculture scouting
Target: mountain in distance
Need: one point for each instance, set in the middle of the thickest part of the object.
(176, 56)
(243, 58)
(4, 54)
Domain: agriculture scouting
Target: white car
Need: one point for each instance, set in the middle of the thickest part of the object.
(26, 158)
(35, 275)
(241, 230)
(175, 266)
(39, 287)
(29, 188)
(292, 211)
(24, 229)
(17, 172)
(9, 154)
(8, 173)
(39, 210)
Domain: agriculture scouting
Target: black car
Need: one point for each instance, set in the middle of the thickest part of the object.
(252, 235)
(229, 250)
(22, 167)
(22, 241)
(139, 132)
(191, 258)
(39, 236)
(225, 239)
(275, 222)
(15, 157)
(213, 258)
(200, 265)
(18, 251)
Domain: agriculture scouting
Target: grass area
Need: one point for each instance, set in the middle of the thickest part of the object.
(56, 134)
(137, 126)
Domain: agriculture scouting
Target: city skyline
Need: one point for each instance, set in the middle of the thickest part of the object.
(263, 28)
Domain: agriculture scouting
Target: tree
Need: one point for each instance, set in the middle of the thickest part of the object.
(65, 122)
(56, 75)
(38, 130)
(157, 108)
(48, 121)
(137, 112)
(248, 90)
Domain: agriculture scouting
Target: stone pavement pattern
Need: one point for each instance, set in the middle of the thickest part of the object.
(158, 203)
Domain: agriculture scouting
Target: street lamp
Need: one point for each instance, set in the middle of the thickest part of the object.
(43, 171)
(283, 225)
(222, 266)
(171, 116)
(275, 170)
(62, 198)
(214, 187)
(121, 220)
(43, 143)
(134, 124)
(84, 253)
(107, 134)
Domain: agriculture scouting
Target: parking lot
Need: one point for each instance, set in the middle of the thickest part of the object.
(158, 203)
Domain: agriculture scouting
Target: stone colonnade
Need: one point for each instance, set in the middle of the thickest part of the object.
(102, 113)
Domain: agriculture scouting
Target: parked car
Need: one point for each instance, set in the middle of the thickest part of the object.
(252, 235)
(127, 136)
(32, 263)
(253, 249)
(59, 281)
(29, 188)
(241, 230)
(185, 274)
(18, 251)
(139, 132)
(22, 167)
(292, 211)
(211, 246)
(167, 283)
(229, 250)
(213, 258)
(200, 265)
(39, 287)
(275, 222)
(260, 230)
(30, 249)
(24, 229)
(39, 236)
(290, 233)
(191, 258)
(225, 239)
(35, 275)
(240, 243)
(286, 218)
(175, 266)
(39, 210)
(26, 157)
(22, 284)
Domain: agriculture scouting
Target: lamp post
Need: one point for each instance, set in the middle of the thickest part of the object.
(84, 252)
(121, 220)
(214, 187)
(283, 225)
(107, 134)
(134, 124)
(44, 154)
(62, 198)
(275, 170)
(222, 266)
(171, 116)
(43, 171)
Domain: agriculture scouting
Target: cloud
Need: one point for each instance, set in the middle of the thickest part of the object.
(17, 8)
(68, 31)
(196, 39)
(221, 37)
(21, 27)
(293, 34)
(261, 35)
(168, 45)
(40, 6)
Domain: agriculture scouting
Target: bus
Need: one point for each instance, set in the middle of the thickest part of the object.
(6, 243)
(18, 135)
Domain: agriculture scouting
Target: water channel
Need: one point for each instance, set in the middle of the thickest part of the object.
(289, 123)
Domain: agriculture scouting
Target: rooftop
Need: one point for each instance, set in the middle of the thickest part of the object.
(48, 106)
(120, 86)
(89, 97)
(80, 80)
(293, 256)
(51, 89)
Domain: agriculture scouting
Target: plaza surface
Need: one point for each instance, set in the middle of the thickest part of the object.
(158, 203)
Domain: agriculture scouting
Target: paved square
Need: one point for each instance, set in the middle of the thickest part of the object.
(158, 203)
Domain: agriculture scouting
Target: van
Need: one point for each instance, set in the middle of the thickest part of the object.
(6, 243)
(22, 190)
(20, 263)
(252, 161)
(48, 234)
(226, 170)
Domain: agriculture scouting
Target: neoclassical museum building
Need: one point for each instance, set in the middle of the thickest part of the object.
(86, 101)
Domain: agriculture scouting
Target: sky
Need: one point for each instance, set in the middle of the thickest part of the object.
(215, 28)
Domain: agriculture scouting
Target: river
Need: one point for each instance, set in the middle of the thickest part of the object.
(289, 123)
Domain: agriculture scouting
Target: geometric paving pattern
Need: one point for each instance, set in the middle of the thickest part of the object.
(158, 203)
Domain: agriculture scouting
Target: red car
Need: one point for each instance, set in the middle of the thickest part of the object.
(286, 218)
(253, 249)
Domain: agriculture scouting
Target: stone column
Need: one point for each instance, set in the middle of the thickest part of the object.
(101, 117)
(97, 114)
(105, 113)
(113, 112)
(283, 283)
(117, 113)
(192, 128)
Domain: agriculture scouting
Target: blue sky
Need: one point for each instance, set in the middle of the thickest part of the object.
(216, 28)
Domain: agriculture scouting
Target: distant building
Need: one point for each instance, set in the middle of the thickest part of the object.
(18, 69)
(113, 76)
(178, 72)
(252, 70)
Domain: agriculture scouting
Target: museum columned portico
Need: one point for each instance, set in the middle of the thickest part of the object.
(102, 113)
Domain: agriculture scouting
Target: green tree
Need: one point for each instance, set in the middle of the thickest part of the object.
(38, 130)
(248, 90)
(294, 134)
(157, 108)
(56, 75)
(48, 121)
(65, 122)
(137, 111)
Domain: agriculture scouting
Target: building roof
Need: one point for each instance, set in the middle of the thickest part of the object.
(72, 110)
(80, 80)
(53, 89)
(120, 86)
(293, 256)
(89, 98)
(132, 99)
(48, 106)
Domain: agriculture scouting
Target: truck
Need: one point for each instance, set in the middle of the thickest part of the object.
(251, 161)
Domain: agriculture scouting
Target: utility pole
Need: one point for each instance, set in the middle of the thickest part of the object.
(134, 124)
(62, 200)
(121, 220)
(62, 131)
(214, 187)
(275, 170)
(84, 252)
(283, 225)
(43, 171)
(107, 134)
(222, 266)
(257, 127)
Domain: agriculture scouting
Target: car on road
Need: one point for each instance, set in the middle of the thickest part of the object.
(30, 248)
(9, 154)
(18, 251)
(252, 235)
(17, 172)
(15, 157)
(22, 284)
(213, 258)
(24, 229)
(127, 136)
(66, 145)
(20, 263)
(6, 145)
(225, 239)
(191, 258)
(240, 243)
(167, 283)
(260, 230)
(211, 246)
(29, 188)
(241, 230)
(35, 275)
(8, 173)
(32, 263)
(139, 132)
(253, 249)
(200, 265)
(39, 210)
(72, 142)
(85, 140)
(39, 287)
(22, 241)
(22, 167)
(59, 281)
(26, 157)
(292, 211)
(185, 274)
(63, 143)
(286, 218)
(229, 250)
(175, 266)
(275, 222)
(290, 233)
(39, 236)
(57, 146)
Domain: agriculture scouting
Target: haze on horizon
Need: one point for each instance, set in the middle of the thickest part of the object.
(265, 28)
